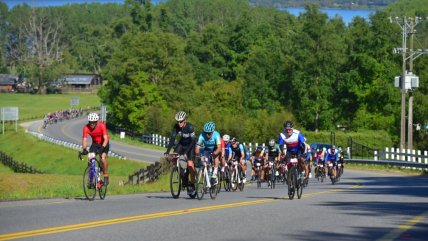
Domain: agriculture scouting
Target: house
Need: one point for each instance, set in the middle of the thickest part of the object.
(83, 81)
(8, 82)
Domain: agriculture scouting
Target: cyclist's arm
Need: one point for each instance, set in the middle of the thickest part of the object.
(84, 138)
(105, 136)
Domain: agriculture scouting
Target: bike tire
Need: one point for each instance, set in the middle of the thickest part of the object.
(102, 191)
(259, 180)
(241, 185)
(291, 183)
(234, 180)
(226, 179)
(175, 182)
(213, 189)
(272, 178)
(89, 183)
(299, 185)
(200, 184)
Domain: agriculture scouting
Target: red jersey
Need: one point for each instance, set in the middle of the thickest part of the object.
(97, 134)
(222, 143)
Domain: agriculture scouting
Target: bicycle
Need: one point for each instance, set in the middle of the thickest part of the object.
(319, 171)
(225, 178)
(204, 180)
(331, 173)
(295, 182)
(236, 178)
(258, 163)
(179, 178)
(272, 177)
(92, 175)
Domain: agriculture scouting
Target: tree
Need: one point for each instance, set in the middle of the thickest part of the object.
(39, 48)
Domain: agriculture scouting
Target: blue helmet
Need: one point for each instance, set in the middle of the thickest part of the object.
(209, 127)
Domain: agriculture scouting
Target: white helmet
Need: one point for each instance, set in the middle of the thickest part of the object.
(93, 117)
(180, 116)
(226, 137)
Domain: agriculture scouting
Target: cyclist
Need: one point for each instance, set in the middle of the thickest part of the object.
(273, 153)
(308, 158)
(331, 157)
(257, 156)
(100, 140)
(210, 140)
(341, 156)
(225, 151)
(238, 153)
(185, 145)
(318, 159)
(294, 143)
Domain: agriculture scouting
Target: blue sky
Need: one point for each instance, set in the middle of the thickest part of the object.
(37, 3)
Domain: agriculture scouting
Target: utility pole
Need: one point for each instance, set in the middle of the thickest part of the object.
(408, 81)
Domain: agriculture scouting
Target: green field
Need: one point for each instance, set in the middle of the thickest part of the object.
(33, 106)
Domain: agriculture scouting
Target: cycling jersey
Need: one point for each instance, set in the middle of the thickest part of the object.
(294, 142)
(273, 151)
(97, 134)
(187, 137)
(209, 144)
(331, 156)
(237, 151)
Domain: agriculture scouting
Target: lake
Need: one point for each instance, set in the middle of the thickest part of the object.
(346, 14)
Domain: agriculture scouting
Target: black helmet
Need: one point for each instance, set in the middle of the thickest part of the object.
(259, 149)
(288, 124)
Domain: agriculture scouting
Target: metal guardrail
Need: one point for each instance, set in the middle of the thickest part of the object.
(390, 162)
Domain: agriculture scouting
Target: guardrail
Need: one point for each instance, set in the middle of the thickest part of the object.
(67, 144)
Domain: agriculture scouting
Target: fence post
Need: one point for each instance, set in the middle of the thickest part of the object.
(392, 153)
(426, 158)
(386, 153)
(250, 147)
(153, 139)
(375, 155)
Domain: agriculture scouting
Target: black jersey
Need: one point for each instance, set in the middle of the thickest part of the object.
(273, 151)
(187, 136)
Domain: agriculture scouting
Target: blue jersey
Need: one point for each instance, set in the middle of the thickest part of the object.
(209, 144)
(227, 149)
(331, 156)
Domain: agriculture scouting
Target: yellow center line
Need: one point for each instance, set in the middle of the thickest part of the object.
(86, 225)
(395, 233)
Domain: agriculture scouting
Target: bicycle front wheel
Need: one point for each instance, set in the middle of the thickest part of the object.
(201, 183)
(226, 179)
(175, 182)
(291, 183)
(234, 180)
(102, 188)
(90, 183)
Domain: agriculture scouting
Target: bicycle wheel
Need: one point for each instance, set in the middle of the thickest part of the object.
(291, 183)
(234, 179)
(259, 180)
(175, 182)
(272, 177)
(226, 179)
(241, 184)
(102, 188)
(89, 183)
(214, 188)
(200, 184)
(299, 184)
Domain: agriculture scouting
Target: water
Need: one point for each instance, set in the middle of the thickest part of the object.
(346, 14)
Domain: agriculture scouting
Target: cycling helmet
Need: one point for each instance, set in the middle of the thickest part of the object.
(226, 138)
(180, 116)
(259, 149)
(272, 142)
(209, 127)
(234, 140)
(288, 124)
(93, 117)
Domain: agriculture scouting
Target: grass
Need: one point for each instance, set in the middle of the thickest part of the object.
(133, 141)
(33, 106)
(383, 168)
(64, 171)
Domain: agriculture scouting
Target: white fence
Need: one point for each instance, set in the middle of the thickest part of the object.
(395, 154)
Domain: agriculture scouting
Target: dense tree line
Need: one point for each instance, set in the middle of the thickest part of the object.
(246, 67)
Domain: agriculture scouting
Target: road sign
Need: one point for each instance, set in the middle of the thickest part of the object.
(9, 114)
(74, 101)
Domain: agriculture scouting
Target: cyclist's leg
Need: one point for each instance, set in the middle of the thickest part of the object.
(190, 164)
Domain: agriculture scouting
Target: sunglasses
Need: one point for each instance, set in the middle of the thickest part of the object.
(92, 123)
(208, 133)
(180, 121)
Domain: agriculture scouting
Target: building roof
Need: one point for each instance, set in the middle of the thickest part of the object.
(7, 80)
(81, 79)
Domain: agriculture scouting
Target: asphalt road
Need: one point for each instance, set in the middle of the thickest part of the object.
(363, 206)
(71, 131)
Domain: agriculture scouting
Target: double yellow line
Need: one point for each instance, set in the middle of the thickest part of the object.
(60, 229)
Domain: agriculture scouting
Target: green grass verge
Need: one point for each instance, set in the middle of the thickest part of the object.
(134, 141)
(64, 171)
(383, 168)
(33, 106)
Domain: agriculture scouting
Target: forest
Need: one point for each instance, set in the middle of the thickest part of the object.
(247, 67)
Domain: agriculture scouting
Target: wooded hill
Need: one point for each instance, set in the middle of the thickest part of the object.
(248, 68)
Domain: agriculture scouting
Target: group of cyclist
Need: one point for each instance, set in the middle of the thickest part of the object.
(291, 143)
(332, 156)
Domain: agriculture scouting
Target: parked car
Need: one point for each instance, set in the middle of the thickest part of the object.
(314, 146)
